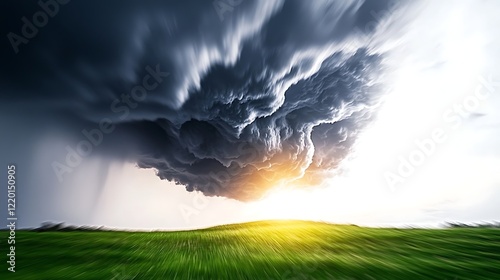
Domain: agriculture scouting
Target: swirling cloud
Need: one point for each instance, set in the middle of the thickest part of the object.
(273, 92)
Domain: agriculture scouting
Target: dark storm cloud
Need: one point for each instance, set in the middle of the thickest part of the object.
(274, 91)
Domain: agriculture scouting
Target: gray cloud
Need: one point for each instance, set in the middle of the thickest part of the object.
(275, 93)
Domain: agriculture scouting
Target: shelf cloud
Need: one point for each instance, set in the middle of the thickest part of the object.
(230, 98)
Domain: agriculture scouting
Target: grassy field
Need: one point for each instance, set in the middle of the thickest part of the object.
(260, 250)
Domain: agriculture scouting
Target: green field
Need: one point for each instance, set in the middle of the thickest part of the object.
(260, 250)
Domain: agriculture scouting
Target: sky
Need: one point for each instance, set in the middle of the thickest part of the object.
(189, 114)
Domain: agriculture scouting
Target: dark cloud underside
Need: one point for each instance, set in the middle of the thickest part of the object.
(273, 93)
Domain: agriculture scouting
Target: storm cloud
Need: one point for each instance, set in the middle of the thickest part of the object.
(270, 93)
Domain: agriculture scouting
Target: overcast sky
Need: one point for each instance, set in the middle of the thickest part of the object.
(186, 114)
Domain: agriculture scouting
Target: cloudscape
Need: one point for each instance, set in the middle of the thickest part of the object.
(250, 139)
(238, 100)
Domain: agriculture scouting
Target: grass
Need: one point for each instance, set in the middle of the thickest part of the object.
(295, 250)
